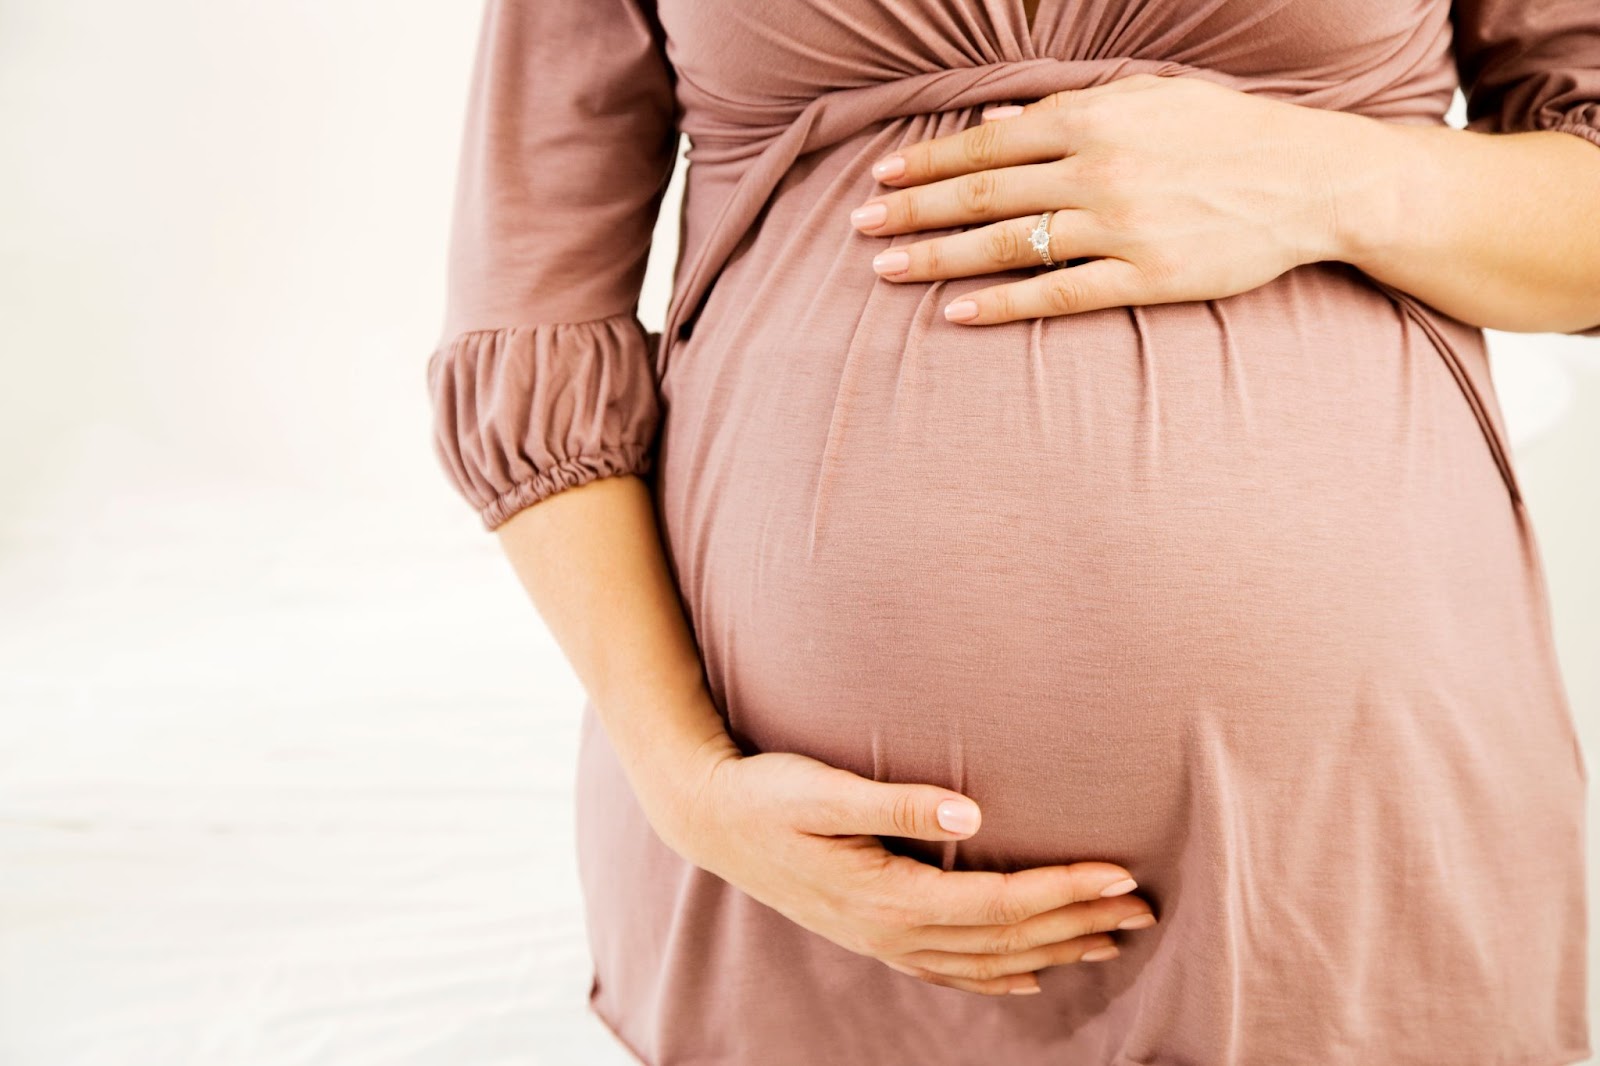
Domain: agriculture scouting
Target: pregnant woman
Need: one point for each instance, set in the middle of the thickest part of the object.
(1064, 540)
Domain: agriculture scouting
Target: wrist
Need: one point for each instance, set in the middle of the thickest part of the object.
(682, 812)
(672, 783)
(1372, 167)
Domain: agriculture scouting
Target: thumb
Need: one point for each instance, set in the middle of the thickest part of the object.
(921, 812)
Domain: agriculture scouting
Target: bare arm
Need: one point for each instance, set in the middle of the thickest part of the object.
(591, 559)
(1497, 224)
(546, 406)
(1499, 230)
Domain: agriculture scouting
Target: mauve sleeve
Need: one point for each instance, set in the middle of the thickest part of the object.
(543, 378)
(1531, 65)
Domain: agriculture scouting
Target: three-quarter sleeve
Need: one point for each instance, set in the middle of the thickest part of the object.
(1530, 65)
(543, 376)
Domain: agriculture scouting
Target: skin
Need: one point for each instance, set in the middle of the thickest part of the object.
(795, 833)
(1183, 189)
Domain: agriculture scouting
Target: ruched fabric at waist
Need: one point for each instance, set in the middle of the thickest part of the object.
(763, 154)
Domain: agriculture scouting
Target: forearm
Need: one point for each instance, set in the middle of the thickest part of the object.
(1498, 230)
(591, 559)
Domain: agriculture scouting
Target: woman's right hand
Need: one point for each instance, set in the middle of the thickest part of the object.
(800, 836)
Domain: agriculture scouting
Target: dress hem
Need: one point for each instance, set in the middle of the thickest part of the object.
(622, 1041)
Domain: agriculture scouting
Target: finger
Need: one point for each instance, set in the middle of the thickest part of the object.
(984, 146)
(1099, 283)
(1021, 984)
(993, 114)
(1048, 128)
(983, 196)
(928, 895)
(998, 246)
(989, 967)
(849, 804)
(1051, 927)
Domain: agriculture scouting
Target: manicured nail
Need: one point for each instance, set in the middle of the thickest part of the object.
(1008, 111)
(891, 262)
(1026, 990)
(889, 167)
(961, 311)
(1119, 888)
(958, 817)
(869, 215)
(1100, 954)
(1137, 921)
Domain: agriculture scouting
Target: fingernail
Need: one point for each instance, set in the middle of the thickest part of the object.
(1002, 112)
(1137, 921)
(1119, 888)
(1026, 990)
(958, 817)
(961, 311)
(1100, 954)
(889, 167)
(891, 262)
(869, 215)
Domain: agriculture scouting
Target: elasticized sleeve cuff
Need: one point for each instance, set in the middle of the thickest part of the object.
(1528, 112)
(522, 412)
(1585, 123)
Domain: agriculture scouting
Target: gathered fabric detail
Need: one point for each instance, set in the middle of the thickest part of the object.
(1582, 121)
(1541, 104)
(522, 412)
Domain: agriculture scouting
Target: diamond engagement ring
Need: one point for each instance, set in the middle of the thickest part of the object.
(1040, 239)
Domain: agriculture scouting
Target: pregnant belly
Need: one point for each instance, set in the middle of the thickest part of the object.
(1092, 570)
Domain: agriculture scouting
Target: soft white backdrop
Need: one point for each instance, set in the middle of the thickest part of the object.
(285, 755)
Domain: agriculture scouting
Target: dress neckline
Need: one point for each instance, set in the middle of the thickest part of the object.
(1029, 21)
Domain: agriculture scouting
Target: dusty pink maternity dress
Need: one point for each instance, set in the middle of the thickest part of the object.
(1239, 593)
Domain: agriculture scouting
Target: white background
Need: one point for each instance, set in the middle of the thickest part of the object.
(285, 755)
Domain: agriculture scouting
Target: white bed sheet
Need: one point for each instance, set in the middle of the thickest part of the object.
(283, 780)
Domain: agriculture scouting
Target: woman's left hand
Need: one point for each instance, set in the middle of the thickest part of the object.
(1176, 188)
